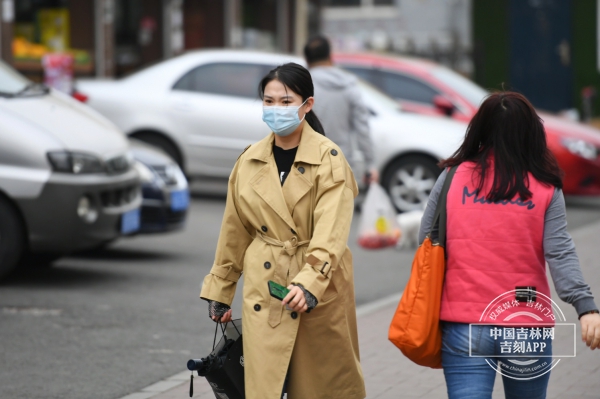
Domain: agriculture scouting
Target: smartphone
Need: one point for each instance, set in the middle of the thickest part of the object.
(277, 291)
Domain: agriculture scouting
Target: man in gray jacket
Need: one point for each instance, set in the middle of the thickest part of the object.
(339, 105)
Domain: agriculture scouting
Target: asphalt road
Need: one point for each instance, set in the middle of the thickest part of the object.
(107, 323)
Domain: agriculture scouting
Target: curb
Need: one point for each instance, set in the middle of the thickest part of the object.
(175, 380)
(160, 386)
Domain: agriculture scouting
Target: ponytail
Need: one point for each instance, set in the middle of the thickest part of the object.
(314, 122)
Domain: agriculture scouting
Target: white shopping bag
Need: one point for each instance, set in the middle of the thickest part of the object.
(378, 226)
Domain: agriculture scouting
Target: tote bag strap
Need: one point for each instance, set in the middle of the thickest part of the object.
(439, 217)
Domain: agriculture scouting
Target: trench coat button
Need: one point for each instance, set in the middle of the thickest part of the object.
(264, 229)
(267, 265)
(301, 169)
(257, 307)
(334, 152)
(294, 315)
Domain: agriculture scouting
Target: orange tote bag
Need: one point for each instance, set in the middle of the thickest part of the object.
(415, 328)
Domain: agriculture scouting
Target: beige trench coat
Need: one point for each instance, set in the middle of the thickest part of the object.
(292, 233)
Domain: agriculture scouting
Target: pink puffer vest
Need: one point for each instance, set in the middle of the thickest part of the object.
(492, 248)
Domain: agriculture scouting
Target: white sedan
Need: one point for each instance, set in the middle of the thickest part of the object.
(203, 109)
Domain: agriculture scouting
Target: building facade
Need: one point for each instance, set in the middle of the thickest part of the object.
(435, 29)
(114, 37)
(546, 49)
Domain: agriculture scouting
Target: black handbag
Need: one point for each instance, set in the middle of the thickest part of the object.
(223, 368)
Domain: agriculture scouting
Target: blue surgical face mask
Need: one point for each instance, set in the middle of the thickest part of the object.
(282, 120)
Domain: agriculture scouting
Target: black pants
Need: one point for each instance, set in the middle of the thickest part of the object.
(284, 390)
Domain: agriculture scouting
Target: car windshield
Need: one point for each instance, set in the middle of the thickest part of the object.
(13, 84)
(466, 88)
(375, 98)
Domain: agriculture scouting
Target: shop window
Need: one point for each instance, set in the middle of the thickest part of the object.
(49, 26)
(342, 3)
(345, 10)
(259, 25)
(138, 38)
(355, 3)
(229, 79)
(402, 87)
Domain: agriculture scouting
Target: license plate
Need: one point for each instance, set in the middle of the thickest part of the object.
(180, 200)
(130, 221)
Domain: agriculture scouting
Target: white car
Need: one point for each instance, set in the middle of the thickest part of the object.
(67, 176)
(203, 109)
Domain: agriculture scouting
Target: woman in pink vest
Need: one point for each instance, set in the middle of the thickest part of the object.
(506, 218)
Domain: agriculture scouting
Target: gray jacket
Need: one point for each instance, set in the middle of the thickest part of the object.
(340, 108)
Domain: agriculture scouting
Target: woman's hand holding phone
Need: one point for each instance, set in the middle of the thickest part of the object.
(295, 299)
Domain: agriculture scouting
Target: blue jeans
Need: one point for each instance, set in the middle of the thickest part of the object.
(471, 376)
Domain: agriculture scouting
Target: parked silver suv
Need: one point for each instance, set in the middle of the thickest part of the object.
(67, 180)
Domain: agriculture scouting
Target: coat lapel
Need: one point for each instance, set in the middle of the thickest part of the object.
(295, 187)
(266, 183)
(298, 184)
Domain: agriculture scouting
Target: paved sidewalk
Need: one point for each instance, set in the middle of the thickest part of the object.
(389, 375)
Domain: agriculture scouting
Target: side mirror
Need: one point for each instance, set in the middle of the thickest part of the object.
(443, 105)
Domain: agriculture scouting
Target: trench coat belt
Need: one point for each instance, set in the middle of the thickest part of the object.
(283, 268)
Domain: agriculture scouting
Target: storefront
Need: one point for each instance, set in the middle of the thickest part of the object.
(115, 37)
(146, 31)
(105, 37)
(41, 27)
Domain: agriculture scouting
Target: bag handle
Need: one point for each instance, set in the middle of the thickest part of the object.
(439, 217)
(223, 328)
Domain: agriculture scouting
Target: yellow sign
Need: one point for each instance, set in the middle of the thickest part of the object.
(54, 28)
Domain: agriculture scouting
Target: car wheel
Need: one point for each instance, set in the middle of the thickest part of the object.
(12, 237)
(163, 143)
(409, 181)
(42, 260)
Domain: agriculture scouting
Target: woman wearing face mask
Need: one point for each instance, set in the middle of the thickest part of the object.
(289, 206)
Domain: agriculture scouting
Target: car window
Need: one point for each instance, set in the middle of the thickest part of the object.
(402, 87)
(376, 99)
(466, 88)
(365, 74)
(229, 79)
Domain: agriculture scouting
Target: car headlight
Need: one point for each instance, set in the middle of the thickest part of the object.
(170, 174)
(119, 164)
(75, 162)
(581, 147)
(146, 174)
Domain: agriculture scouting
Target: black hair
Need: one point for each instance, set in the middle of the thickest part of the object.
(298, 79)
(507, 127)
(317, 49)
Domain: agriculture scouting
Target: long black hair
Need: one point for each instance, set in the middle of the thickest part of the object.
(298, 79)
(508, 128)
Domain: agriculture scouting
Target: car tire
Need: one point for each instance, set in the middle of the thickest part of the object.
(409, 181)
(41, 260)
(12, 237)
(161, 142)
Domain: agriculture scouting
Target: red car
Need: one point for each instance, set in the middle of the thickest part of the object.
(425, 87)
